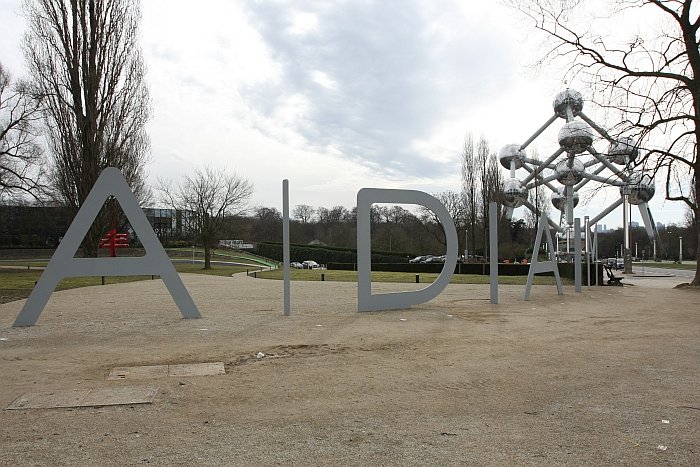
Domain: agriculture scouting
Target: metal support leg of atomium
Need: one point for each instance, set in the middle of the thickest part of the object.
(574, 164)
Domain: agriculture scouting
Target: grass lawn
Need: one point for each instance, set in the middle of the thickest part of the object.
(41, 257)
(17, 283)
(18, 277)
(401, 277)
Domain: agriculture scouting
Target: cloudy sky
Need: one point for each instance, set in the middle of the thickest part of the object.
(336, 95)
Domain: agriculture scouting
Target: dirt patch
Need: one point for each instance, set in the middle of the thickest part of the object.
(10, 295)
(604, 376)
(688, 286)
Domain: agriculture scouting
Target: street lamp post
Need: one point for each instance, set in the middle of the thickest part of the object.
(680, 249)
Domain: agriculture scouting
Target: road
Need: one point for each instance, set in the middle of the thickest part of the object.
(646, 270)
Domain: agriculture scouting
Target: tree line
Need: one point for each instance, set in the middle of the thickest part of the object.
(87, 98)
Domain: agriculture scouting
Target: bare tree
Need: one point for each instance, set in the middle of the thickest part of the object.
(21, 157)
(454, 203)
(266, 214)
(303, 212)
(693, 225)
(398, 215)
(268, 227)
(470, 190)
(86, 63)
(392, 232)
(209, 197)
(481, 170)
(649, 80)
(494, 182)
(323, 215)
(539, 200)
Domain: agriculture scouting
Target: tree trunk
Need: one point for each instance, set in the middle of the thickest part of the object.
(696, 279)
(695, 194)
(90, 242)
(207, 256)
(696, 221)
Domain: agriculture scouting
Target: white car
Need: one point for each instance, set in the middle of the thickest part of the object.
(309, 264)
(296, 265)
(418, 259)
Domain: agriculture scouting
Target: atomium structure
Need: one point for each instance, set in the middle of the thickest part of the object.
(573, 165)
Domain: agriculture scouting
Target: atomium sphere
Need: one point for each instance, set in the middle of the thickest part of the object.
(575, 136)
(570, 98)
(559, 199)
(511, 152)
(569, 176)
(640, 188)
(623, 150)
(513, 192)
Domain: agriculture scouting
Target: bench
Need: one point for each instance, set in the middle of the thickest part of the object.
(612, 279)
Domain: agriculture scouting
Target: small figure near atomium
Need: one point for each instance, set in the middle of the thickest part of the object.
(579, 164)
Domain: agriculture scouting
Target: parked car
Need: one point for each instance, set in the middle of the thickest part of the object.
(418, 259)
(620, 263)
(296, 265)
(435, 259)
(309, 264)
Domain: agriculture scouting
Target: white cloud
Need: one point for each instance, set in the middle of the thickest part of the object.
(336, 95)
(302, 23)
(323, 79)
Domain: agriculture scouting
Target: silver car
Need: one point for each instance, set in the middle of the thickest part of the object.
(309, 264)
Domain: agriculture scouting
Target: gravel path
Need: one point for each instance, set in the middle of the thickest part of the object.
(610, 375)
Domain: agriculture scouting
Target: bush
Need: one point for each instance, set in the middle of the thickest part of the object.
(177, 244)
(323, 254)
(566, 270)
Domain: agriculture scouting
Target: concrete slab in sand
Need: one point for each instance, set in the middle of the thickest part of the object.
(138, 372)
(161, 371)
(197, 369)
(85, 398)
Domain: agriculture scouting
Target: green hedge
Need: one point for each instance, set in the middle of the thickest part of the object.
(460, 268)
(565, 269)
(177, 244)
(324, 254)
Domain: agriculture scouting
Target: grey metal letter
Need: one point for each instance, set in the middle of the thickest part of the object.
(587, 247)
(544, 266)
(398, 300)
(577, 255)
(62, 264)
(493, 251)
(285, 246)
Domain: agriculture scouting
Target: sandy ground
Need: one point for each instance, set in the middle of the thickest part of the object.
(607, 376)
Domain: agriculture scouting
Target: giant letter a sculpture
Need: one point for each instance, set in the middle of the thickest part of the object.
(63, 264)
(543, 266)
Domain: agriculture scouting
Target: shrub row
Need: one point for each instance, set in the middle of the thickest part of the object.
(460, 268)
(324, 254)
(565, 269)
